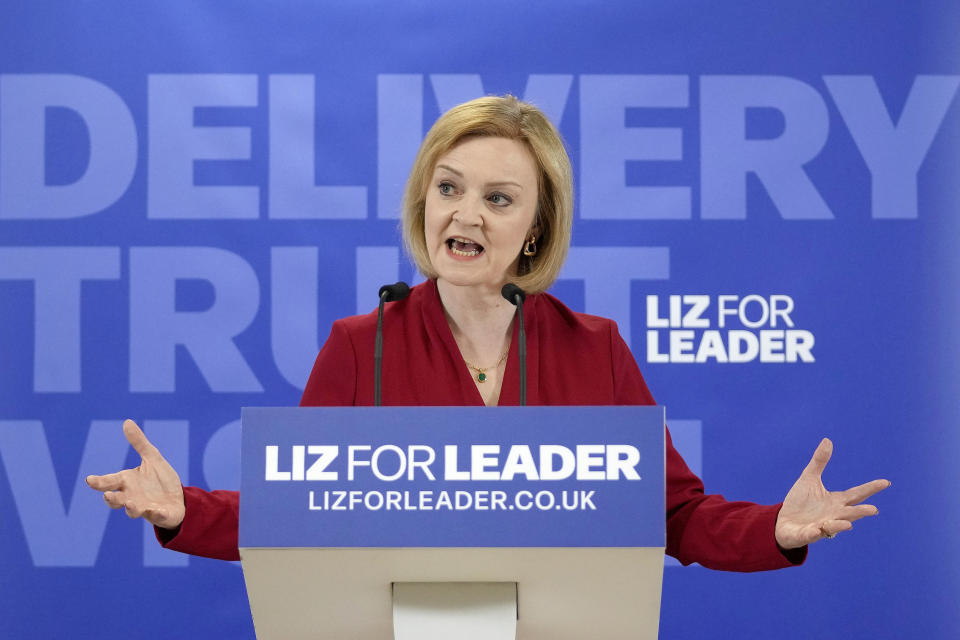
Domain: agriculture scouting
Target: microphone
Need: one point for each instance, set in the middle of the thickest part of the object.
(394, 292)
(388, 293)
(516, 296)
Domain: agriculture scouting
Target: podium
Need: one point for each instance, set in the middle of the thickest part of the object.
(442, 522)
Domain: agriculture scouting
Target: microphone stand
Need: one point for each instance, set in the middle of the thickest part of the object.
(388, 293)
(516, 296)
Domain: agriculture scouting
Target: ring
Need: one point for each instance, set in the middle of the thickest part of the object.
(825, 534)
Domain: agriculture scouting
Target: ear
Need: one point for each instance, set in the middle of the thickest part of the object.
(535, 229)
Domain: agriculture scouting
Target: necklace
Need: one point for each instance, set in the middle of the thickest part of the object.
(481, 371)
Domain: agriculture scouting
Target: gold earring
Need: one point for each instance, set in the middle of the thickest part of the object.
(530, 248)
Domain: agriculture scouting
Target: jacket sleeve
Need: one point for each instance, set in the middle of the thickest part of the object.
(210, 525)
(731, 536)
(211, 522)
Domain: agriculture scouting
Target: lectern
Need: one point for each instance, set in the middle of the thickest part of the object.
(453, 522)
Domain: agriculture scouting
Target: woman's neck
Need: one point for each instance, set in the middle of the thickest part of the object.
(480, 320)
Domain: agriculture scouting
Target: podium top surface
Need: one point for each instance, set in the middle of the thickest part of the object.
(395, 477)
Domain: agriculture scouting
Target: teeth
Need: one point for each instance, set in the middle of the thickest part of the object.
(458, 252)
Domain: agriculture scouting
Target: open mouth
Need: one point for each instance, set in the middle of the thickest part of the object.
(464, 247)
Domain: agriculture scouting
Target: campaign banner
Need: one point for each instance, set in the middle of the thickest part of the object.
(453, 477)
(766, 202)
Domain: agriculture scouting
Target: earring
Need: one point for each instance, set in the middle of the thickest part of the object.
(530, 248)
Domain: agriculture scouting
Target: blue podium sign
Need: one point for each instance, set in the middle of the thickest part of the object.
(452, 477)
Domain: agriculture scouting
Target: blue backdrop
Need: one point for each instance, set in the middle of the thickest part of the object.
(190, 193)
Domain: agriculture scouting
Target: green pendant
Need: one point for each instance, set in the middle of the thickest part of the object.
(481, 377)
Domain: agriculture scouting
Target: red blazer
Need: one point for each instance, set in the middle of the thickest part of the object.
(572, 359)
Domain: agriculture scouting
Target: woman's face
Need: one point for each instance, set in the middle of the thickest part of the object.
(479, 211)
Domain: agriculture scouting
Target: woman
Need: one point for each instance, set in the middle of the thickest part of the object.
(490, 201)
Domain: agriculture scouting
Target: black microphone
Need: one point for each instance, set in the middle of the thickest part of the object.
(394, 292)
(388, 293)
(516, 296)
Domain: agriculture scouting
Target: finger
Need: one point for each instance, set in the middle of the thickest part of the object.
(108, 482)
(831, 528)
(133, 510)
(139, 441)
(858, 494)
(820, 458)
(852, 514)
(114, 499)
(157, 516)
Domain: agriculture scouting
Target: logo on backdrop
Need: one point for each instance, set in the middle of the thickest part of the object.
(725, 328)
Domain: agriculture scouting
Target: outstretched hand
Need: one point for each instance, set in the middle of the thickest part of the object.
(811, 513)
(151, 491)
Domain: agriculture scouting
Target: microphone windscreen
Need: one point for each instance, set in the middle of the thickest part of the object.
(396, 291)
(510, 291)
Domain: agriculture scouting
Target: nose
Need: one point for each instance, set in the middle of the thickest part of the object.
(470, 212)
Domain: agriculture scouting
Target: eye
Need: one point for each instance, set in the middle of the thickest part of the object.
(446, 188)
(500, 199)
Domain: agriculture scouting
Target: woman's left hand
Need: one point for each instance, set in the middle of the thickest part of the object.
(811, 513)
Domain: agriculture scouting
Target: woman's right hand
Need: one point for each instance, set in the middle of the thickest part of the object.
(152, 490)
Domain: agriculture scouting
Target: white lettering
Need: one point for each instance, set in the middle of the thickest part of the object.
(327, 454)
(273, 464)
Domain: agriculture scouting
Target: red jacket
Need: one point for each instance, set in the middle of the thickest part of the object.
(572, 359)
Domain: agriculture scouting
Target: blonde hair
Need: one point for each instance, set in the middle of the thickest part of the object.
(502, 117)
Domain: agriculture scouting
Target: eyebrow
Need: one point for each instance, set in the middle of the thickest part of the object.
(491, 184)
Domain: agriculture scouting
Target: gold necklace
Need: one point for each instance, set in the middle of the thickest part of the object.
(481, 371)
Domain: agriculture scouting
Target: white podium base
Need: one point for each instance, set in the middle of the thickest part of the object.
(463, 610)
(562, 593)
